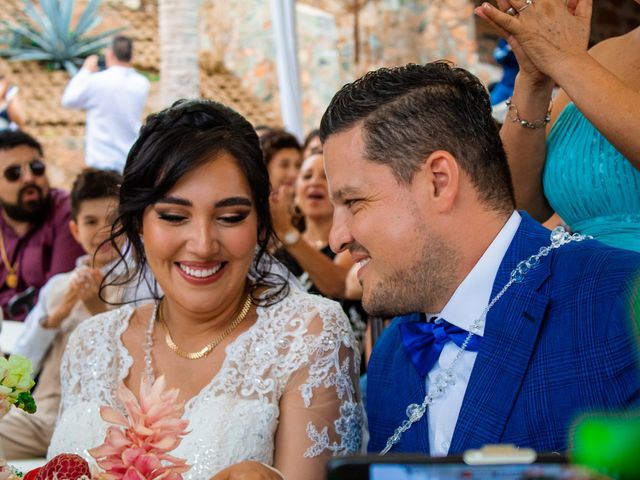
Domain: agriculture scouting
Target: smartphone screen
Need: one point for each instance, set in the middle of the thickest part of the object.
(548, 471)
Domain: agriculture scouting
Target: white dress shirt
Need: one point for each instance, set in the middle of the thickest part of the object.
(36, 340)
(466, 304)
(114, 99)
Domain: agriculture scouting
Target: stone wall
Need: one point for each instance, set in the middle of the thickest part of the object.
(339, 41)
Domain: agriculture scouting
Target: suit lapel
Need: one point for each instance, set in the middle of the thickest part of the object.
(510, 335)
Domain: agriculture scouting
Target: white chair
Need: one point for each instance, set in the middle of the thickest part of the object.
(10, 331)
(27, 464)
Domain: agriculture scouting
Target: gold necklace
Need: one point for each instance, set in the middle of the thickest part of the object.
(12, 274)
(206, 350)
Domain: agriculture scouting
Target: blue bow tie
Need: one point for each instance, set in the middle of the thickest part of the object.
(423, 342)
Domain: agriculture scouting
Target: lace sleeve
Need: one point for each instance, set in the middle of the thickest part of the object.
(320, 411)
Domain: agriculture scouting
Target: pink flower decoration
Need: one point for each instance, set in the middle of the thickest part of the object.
(137, 448)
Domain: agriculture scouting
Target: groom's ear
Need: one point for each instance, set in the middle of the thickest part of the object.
(440, 175)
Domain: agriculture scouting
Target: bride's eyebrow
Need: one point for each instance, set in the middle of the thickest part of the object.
(225, 202)
(175, 201)
(234, 202)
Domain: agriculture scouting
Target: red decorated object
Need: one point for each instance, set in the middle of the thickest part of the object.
(67, 466)
(32, 474)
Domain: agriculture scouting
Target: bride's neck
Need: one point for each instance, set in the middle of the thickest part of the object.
(188, 322)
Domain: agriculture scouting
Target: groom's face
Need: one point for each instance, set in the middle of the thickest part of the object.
(403, 266)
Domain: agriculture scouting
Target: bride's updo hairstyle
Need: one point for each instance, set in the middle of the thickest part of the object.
(171, 144)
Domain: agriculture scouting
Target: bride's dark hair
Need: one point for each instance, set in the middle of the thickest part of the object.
(171, 144)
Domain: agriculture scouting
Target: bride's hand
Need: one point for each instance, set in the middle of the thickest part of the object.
(248, 470)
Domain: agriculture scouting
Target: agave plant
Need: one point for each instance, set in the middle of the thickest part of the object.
(43, 32)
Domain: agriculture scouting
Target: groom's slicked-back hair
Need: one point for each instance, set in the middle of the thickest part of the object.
(409, 112)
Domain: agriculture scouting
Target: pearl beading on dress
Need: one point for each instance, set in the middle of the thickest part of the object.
(559, 237)
(148, 343)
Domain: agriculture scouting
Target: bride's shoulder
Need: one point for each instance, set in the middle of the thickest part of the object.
(315, 311)
(300, 301)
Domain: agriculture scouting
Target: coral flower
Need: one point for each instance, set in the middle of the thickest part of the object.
(137, 447)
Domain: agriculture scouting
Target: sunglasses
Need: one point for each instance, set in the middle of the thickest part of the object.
(13, 172)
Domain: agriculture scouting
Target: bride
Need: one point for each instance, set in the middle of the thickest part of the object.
(267, 371)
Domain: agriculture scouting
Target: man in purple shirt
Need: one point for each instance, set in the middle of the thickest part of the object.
(35, 242)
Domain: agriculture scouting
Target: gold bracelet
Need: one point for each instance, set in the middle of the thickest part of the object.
(526, 123)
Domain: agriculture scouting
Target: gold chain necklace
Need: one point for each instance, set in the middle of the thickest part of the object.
(12, 274)
(206, 350)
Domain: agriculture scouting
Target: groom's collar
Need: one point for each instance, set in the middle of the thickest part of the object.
(527, 241)
(474, 293)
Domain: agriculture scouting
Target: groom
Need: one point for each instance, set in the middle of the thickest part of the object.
(424, 203)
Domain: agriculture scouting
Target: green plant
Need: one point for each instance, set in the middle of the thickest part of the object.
(44, 33)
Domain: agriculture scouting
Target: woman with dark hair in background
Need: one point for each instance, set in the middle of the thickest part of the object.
(268, 371)
(282, 156)
(312, 143)
(307, 254)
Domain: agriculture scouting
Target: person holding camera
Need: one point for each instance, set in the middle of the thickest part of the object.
(114, 98)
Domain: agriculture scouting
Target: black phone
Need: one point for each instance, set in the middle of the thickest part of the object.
(416, 467)
(102, 63)
(21, 303)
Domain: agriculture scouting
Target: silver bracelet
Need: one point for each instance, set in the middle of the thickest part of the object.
(515, 117)
(274, 470)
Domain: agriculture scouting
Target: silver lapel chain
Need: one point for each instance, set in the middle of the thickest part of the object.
(559, 237)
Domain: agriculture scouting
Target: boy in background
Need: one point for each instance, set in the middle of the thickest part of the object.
(65, 301)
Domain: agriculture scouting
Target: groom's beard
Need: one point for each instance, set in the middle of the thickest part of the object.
(32, 211)
(423, 287)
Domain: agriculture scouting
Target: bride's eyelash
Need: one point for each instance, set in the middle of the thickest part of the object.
(170, 217)
(228, 218)
(234, 218)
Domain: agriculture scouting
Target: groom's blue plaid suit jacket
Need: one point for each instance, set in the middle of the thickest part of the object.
(562, 343)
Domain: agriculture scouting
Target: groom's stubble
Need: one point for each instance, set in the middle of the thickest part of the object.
(424, 286)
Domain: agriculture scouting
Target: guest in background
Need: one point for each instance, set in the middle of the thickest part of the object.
(35, 242)
(502, 90)
(307, 254)
(65, 301)
(114, 99)
(587, 169)
(312, 143)
(262, 130)
(283, 157)
(12, 115)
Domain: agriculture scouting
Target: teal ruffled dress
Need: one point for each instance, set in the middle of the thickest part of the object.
(591, 185)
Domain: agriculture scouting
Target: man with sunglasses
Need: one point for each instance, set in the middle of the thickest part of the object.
(35, 242)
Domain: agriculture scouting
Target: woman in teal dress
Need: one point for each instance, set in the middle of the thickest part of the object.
(587, 168)
(590, 184)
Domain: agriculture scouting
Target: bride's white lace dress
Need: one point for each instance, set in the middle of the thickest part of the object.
(300, 357)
